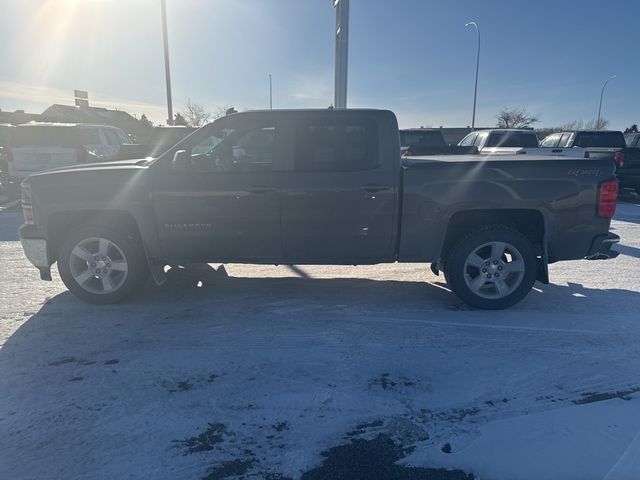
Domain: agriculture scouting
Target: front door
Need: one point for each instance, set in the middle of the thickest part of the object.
(225, 204)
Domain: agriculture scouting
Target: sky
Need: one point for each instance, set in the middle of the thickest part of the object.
(414, 57)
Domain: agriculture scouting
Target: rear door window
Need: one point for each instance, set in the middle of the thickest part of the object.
(112, 138)
(88, 136)
(331, 145)
(513, 140)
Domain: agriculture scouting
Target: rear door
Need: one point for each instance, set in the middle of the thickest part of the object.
(338, 202)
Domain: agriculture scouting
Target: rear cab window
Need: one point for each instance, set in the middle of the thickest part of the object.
(426, 138)
(45, 136)
(513, 139)
(604, 139)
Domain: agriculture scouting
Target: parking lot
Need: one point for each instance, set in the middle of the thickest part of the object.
(308, 371)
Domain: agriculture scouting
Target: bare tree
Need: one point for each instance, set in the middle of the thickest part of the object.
(516, 118)
(220, 111)
(596, 125)
(195, 114)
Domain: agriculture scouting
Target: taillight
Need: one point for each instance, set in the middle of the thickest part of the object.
(618, 157)
(27, 208)
(607, 198)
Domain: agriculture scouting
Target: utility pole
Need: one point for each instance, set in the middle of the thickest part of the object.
(270, 94)
(342, 53)
(165, 42)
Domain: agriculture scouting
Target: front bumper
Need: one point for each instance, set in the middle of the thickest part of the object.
(35, 249)
(601, 247)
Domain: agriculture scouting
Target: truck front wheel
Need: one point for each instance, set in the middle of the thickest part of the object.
(491, 268)
(101, 265)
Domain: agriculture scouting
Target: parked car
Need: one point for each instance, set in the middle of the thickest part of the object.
(629, 173)
(317, 187)
(612, 145)
(5, 137)
(162, 139)
(35, 147)
(512, 141)
(607, 144)
(429, 141)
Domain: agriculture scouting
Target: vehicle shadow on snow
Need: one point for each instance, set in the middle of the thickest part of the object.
(88, 348)
(367, 297)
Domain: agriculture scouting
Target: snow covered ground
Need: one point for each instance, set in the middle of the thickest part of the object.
(322, 372)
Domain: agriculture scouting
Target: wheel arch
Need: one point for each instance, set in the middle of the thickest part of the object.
(59, 224)
(529, 222)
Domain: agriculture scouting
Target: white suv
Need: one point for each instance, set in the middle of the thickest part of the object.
(35, 147)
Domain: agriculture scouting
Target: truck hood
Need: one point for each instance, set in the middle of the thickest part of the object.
(84, 167)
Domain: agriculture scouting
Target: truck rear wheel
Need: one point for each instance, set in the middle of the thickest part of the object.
(491, 268)
(101, 265)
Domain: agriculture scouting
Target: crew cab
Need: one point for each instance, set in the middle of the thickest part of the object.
(429, 141)
(513, 141)
(317, 187)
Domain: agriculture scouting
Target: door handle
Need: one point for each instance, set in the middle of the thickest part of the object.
(374, 188)
(261, 189)
(556, 150)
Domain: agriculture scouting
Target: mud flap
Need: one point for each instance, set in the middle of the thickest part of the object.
(543, 263)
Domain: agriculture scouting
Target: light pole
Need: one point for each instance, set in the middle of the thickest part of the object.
(167, 76)
(600, 106)
(475, 89)
(270, 94)
(342, 53)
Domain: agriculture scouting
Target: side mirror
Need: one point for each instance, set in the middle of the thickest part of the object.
(181, 160)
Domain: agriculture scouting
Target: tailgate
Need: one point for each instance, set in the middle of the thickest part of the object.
(28, 160)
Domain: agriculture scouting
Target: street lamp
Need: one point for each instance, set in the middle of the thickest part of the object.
(475, 90)
(600, 106)
(270, 94)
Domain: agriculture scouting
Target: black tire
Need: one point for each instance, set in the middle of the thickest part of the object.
(461, 273)
(123, 247)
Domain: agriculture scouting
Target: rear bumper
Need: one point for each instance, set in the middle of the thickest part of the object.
(601, 247)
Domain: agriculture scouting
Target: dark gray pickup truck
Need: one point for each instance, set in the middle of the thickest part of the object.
(317, 187)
